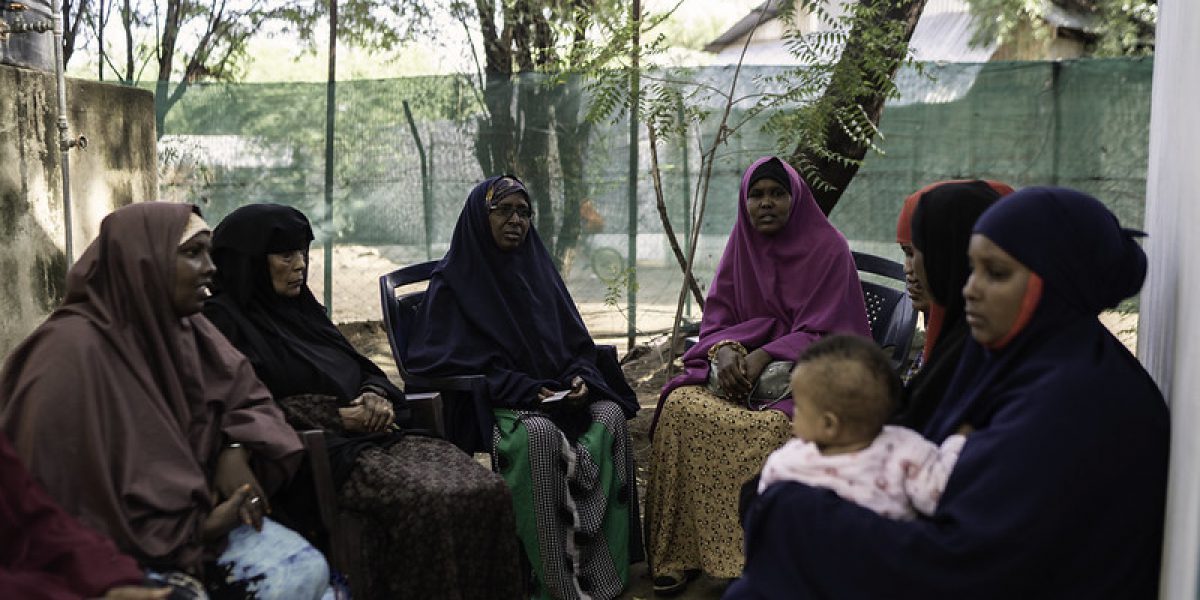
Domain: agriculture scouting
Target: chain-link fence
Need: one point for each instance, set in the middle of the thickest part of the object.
(1080, 123)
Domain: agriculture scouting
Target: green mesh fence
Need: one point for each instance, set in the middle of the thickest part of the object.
(1082, 124)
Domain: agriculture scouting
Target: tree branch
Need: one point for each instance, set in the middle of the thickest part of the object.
(669, 230)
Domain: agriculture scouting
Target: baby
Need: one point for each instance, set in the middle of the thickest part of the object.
(844, 391)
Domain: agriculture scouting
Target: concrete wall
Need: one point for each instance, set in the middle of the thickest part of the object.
(118, 167)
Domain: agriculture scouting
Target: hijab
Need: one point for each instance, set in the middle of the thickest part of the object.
(507, 315)
(941, 231)
(294, 346)
(47, 553)
(1086, 263)
(778, 292)
(128, 441)
(1060, 490)
(936, 317)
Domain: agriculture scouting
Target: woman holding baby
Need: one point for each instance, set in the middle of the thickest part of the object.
(1058, 491)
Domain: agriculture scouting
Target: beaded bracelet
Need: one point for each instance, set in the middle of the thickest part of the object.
(712, 352)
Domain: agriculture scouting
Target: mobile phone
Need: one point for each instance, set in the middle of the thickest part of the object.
(555, 397)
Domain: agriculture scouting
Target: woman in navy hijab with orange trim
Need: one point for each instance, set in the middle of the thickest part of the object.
(1059, 491)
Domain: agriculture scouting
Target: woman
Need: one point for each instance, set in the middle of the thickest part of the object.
(786, 279)
(496, 305)
(940, 230)
(441, 523)
(160, 437)
(1059, 490)
(48, 554)
(932, 314)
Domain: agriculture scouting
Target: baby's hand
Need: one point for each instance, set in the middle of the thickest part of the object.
(965, 429)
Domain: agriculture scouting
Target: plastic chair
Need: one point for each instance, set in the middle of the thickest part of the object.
(464, 397)
(889, 310)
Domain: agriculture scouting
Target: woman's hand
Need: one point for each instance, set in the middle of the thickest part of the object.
(579, 391)
(755, 363)
(368, 413)
(233, 474)
(731, 373)
(239, 508)
(137, 592)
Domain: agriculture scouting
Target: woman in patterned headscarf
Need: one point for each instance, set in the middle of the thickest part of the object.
(497, 306)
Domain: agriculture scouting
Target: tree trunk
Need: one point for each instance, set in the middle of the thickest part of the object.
(859, 49)
(534, 150)
(495, 142)
(571, 135)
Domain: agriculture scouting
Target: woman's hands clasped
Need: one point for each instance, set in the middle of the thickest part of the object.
(368, 413)
(737, 373)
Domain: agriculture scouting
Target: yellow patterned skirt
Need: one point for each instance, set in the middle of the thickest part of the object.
(704, 449)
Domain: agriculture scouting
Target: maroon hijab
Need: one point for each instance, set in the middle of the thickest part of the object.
(119, 407)
(46, 553)
(779, 292)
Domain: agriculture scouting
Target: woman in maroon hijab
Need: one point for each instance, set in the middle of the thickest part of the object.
(786, 279)
(48, 554)
(140, 419)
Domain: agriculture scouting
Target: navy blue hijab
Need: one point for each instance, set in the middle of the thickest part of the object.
(1059, 493)
(506, 315)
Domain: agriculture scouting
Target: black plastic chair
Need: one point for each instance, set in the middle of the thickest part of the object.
(464, 397)
(889, 310)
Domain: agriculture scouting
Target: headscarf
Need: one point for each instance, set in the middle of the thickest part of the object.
(778, 292)
(1060, 490)
(294, 346)
(506, 315)
(941, 230)
(773, 170)
(127, 442)
(904, 222)
(1086, 262)
(47, 553)
(904, 235)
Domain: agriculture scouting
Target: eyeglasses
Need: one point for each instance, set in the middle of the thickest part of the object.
(506, 211)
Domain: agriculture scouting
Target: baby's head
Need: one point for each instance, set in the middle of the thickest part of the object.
(844, 389)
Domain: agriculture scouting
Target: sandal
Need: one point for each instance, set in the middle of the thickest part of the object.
(672, 583)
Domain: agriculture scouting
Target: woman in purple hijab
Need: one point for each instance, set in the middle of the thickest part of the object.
(786, 279)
